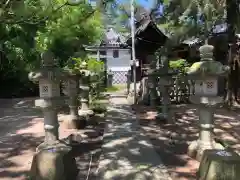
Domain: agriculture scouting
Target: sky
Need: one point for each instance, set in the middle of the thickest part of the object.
(146, 3)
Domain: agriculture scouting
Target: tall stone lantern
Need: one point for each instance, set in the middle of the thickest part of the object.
(85, 111)
(205, 74)
(72, 91)
(152, 75)
(52, 160)
(165, 82)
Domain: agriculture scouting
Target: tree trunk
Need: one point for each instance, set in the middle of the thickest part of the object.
(231, 85)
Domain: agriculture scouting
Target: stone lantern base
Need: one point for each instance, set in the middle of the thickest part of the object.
(206, 107)
(196, 148)
(219, 165)
(167, 117)
(87, 112)
(54, 163)
(86, 115)
(72, 122)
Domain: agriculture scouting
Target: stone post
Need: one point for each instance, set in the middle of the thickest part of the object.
(205, 74)
(85, 111)
(72, 91)
(152, 75)
(109, 78)
(128, 75)
(144, 89)
(52, 160)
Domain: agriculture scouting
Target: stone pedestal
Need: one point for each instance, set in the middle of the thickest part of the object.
(205, 74)
(49, 81)
(54, 163)
(206, 107)
(219, 165)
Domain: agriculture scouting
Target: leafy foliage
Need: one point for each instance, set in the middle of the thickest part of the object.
(67, 34)
(179, 65)
(29, 27)
(192, 18)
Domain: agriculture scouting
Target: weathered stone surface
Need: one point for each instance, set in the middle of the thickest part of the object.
(206, 97)
(53, 164)
(219, 165)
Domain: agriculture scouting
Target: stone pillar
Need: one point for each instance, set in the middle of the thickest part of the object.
(109, 78)
(72, 91)
(85, 111)
(129, 76)
(52, 160)
(152, 76)
(205, 74)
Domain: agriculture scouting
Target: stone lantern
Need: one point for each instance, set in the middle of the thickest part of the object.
(72, 91)
(128, 76)
(85, 111)
(110, 78)
(152, 74)
(49, 80)
(47, 162)
(165, 82)
(205, 74)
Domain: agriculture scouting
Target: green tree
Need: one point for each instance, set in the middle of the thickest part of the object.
(23, 23)
(69, 30)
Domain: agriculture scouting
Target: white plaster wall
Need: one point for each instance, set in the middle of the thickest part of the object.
(122, 63)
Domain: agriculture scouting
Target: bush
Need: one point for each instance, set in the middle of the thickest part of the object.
(179, 65)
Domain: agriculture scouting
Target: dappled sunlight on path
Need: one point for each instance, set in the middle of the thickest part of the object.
(171, 141)
(127, 152)
(21, 131)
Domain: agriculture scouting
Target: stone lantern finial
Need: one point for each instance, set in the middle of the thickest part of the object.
(47, 58)
(84, 65)
(206, 52)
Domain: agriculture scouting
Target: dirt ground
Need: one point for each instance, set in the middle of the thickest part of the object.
(21, 131)
(171, 141)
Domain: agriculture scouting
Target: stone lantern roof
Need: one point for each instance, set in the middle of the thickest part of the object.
(207, 66)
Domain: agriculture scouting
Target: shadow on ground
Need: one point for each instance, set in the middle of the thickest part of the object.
(127, 153)
(17, 144)
(21, 131)
(171, 141)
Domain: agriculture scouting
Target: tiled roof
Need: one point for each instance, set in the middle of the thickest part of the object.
(192, 41)
(112, 38)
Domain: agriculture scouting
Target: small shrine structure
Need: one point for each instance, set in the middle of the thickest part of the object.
(148, 38)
